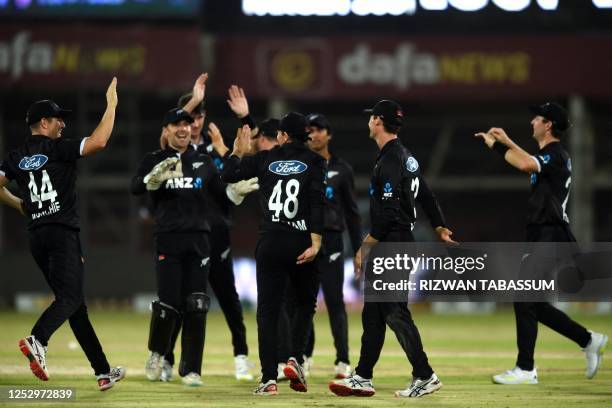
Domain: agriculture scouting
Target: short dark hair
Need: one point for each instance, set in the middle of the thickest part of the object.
(554, 130)
(389, 128)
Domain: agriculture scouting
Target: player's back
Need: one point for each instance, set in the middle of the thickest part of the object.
(45, 170)
(291, 179)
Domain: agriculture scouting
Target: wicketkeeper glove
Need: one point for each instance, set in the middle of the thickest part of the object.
(162, 172)
(237, 191)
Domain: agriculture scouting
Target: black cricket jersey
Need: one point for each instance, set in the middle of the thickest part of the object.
(45, 171)
(219, 206)
(291, 186)
(550, 186)
(395, 186)
(341, 204)
(180, 204)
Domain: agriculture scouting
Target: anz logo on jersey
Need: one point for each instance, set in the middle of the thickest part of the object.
(329, 192)
(184, 183)
(287, 167)
(32, 163)
(534, 178)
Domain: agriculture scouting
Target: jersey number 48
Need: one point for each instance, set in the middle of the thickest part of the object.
(288, 205)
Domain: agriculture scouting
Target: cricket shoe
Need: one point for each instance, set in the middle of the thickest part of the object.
(295, 374)
(594, 353)
(106, 381)
(516, 376)
(269, 388)
(352, 385)
(153, 367)
(420, 387)
(36, 353)
(166, 371)
(192, 380)
(243, 368)
(307, 365)
(280, 375)
(342, 370)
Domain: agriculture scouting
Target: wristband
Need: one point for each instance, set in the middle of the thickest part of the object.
(500, 148)
(248, 120)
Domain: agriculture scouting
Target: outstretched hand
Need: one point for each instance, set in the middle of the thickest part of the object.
(111, 94)
(237, 101)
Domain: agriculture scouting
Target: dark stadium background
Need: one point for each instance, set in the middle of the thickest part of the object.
(159, 53)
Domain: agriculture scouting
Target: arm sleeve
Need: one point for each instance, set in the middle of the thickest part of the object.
(316, 195)
(138, 186)
(430, 204)
(390, 178)
(351, 211)
(549, 163)
(235, 169)
(69, 149)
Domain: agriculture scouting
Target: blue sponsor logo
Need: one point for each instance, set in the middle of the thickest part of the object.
(287, 167)
(32, 163)
(388, 188)
(329, 192)
(412, 164)
(534, 178)
(569, 164)
(197, 183)
(545, 159)
(218, 163)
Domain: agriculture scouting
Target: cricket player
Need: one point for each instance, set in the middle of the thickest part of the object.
(291, 177)
(44, 168)
(395, 186)
(547, 221)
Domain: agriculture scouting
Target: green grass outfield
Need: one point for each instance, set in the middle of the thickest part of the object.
(464, 351)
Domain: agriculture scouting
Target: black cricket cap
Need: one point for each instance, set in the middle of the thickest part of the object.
(45, 109)
(319, 121)
(269, 128)
(200, 108)
(389, 111)
(554, 112)
(295, 124)
(176, 115)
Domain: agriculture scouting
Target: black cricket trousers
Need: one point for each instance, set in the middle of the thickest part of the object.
(377, 315)
(57, 252)
(330, 273)
(276, 255)
(528, 314)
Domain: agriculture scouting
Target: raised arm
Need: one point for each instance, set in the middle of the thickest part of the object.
(497, 139)
(198, 93)
(236, 167)
(239, 104)
(98, 139)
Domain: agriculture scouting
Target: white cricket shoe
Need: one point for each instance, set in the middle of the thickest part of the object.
(516, 376)
(192, 380)
(36, 354)
(269, 388)
(307, 365)
(166, 371)
(243, 368)
(280, 375)
(420, 387)
(153, 367)
(342, 370)
(352, 385)
(594, 353)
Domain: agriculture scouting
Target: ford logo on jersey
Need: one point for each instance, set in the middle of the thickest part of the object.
(287, 167)
(32, 163)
